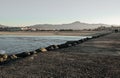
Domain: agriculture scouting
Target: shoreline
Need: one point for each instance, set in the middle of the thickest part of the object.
(49, 48)
(50, 33)
(72, 42)
(97, 57)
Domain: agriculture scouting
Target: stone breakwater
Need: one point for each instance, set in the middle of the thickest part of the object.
(6, 57)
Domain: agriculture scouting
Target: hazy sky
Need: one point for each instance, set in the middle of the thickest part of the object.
(29, 12)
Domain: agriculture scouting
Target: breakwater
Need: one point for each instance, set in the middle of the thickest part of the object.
(6, 57)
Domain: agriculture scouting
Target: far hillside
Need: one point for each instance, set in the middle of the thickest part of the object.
(74, 26)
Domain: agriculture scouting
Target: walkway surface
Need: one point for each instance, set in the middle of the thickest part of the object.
(96, 58)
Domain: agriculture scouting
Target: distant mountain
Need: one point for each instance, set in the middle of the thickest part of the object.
(75, 25)
(3, 25)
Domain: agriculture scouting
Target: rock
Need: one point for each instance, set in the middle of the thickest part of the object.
(34, 55)
(31, 58)
(69, 42)
(94, 36)
(49, 48)
(62, 46)
(32, 52)
(38, 50)
(55, 46)
(85, 39)
(5, 56)
(43, 49)
(52, 47)
(80, 41)
(23, 54)
(1, 59)
(69, 45)
(13, 56)
(72, 43)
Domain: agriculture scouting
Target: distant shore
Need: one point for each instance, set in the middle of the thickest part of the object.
(49, 33)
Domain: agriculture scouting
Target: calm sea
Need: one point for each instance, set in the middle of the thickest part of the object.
(11, 44)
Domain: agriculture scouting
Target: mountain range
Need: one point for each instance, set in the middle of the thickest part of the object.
(74, 25)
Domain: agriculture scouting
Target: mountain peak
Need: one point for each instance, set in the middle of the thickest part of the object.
(76, 22)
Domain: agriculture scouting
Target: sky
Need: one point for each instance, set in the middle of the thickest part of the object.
(30, 12)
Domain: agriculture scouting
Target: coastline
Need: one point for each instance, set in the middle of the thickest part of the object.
(98, 57)
(51, 46)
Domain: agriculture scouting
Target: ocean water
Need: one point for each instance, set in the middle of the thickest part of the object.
(12, 44)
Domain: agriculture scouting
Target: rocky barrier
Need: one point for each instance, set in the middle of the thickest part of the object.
(5, 57)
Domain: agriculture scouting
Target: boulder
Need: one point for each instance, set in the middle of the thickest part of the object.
(63, 46)
(80, 41)
(38, 50)
(23, 54)
(32, 52)
(52, 47)
(71, 43)
(43, 49)
(85, 39)
(5, 56)
(13, 56)
(1, 59)
(55, 46)
(49, 48)
(94, 36)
